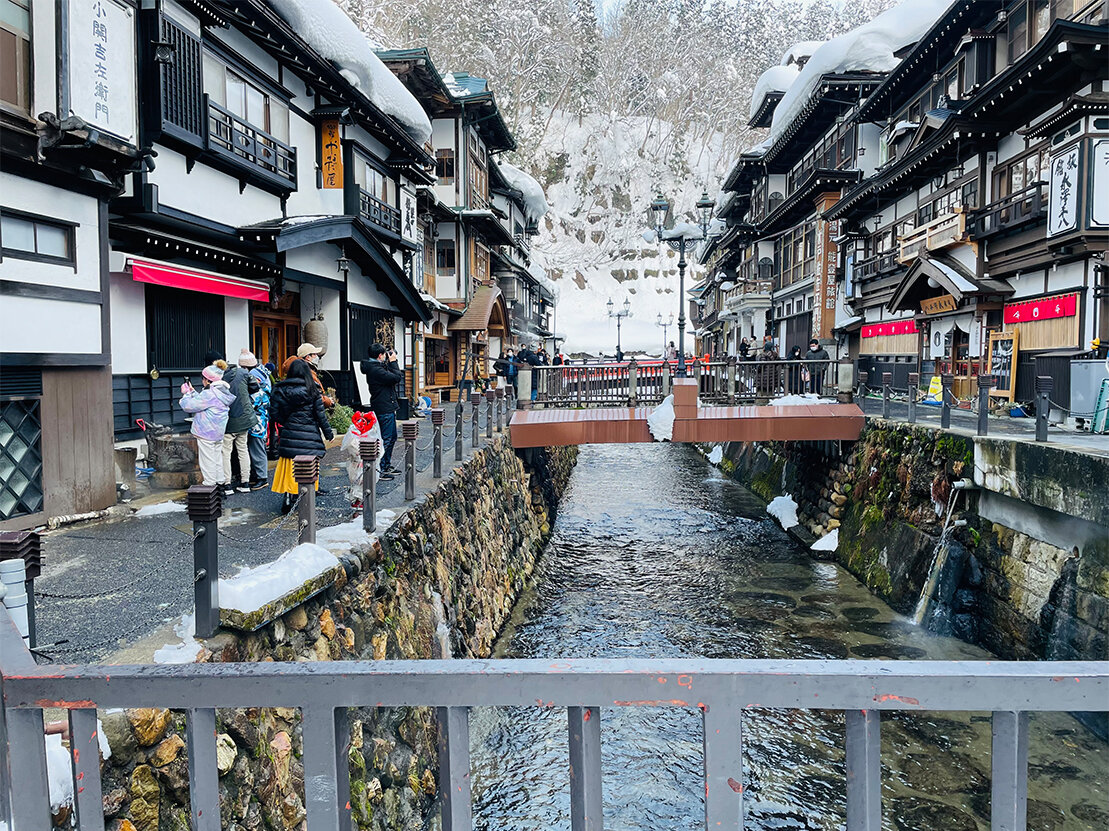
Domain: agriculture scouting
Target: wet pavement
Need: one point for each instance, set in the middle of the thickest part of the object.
(656, 554)
(139, 568)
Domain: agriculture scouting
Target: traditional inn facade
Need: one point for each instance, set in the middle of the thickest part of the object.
(958, 205)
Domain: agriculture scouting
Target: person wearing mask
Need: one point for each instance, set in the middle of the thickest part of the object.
(260, 399)
(240, 421)
(512, 370)
(770, 376)
(310, 353)
(209, 409)
(795, 386)
(382, 376)
(297, 407)
(544, 358)
(817, 353)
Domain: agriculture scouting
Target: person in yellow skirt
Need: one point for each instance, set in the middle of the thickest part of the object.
(296, 406)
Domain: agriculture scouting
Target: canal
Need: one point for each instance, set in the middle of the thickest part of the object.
(657, 554)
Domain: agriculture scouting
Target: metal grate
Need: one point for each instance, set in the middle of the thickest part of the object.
(19, 381)
(20, 458)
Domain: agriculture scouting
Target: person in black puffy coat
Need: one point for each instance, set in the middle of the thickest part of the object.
(297, 406)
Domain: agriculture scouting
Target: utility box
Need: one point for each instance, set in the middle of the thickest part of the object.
(1085, 386)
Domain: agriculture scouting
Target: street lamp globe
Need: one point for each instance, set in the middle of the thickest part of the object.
(609, 305)
(627, 306)
(705, 206)
(660, 206)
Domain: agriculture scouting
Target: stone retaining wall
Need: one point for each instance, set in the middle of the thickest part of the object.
(441, 580)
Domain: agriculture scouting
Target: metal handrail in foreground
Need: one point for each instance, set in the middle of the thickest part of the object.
(721, 689)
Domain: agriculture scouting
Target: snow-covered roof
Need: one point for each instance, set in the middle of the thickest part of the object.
(535, 202)
(433, 302)
(903, 127)
(539, 274)
(463, 85)
(757, 150)
(871, 47)
(329, 31)
(776, 79)
(801, 52)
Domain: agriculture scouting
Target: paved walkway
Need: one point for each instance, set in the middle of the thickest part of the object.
(140, 567)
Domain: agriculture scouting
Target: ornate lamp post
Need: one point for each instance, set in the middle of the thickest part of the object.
(619, 315)
(676, 238)
(665, 324)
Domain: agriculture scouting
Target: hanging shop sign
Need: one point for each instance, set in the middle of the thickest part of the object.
(331, 155)
(1003, 363)
(409, 224)
(101, 82)
(1099, 190)
(1062, 205)
(938, 305)
(895, 327)
(824, 284)
(1047, 309)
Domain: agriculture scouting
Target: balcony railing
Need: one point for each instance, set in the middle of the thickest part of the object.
(938, 234)
(235, 139)
(877, 266)
(523, 241)
(1017, 210)
(378, 213)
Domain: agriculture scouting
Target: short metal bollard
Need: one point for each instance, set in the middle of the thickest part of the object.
(205, 506)
(437, 443)
(887, 389)
(475, 413)
(410, 429)
(914, 391)
(490, 396)
(500, 409)
(864, 376)
(947, 380)
(368, 451)
(985, 384)
(1044, 385)
(306, 472)
(458, 421)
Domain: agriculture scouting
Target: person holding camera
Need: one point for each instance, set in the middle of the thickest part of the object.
(382, 376)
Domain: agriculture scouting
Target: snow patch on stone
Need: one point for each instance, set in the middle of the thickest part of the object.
(339, 539)
(795, 400)
(829, 542)
(160, 508)
(717, 455)
(253, 588)
(185, 651)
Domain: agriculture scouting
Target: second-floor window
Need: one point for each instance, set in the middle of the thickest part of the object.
(445, 257)
(245, 99)
(29, 237)
(444, 166)
(15, 54)
(1015, 175)
(479, 177)
(374, 182)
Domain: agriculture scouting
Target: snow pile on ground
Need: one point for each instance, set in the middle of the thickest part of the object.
(184, 652)
(795, 400)
(329, 31)
(717, 455)
(385, 517)
(783, 509)
(160, 508)
(829, 542)
(253, 588)
(59, 773)
(869, 48)
(660, 421)
(535, 202)
(775, 79)
(342, 538)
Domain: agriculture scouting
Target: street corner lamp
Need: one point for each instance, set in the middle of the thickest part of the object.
(664, 324)
(661, 207)
(705, 206)
(619, 315)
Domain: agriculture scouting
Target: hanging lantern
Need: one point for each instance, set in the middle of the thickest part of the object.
(315, 333)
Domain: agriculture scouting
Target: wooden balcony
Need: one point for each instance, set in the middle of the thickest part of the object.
(877, 266)
(260, 154)
(940, 233)
(378, 213)
(1017, 211)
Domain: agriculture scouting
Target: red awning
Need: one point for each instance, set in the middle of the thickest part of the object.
(191, 280)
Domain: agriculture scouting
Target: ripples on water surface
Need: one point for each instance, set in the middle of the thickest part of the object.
(655, 554)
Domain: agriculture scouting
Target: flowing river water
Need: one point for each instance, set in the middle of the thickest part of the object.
(657, 554)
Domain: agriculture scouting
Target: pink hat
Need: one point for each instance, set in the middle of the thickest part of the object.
(247, 359)
(212, 373)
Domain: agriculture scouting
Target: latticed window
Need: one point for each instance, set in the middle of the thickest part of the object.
(20, 457)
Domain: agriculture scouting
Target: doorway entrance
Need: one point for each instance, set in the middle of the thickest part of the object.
(276, 331)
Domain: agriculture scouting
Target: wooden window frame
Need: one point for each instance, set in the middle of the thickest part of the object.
(24, 61)
(69, 228)
(444, 156)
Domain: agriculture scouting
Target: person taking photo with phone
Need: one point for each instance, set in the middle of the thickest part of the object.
(382, 376)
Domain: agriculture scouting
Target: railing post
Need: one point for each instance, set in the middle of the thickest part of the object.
(697, 370)
(723, 755)
(437, 416)
(204, 507)
(306, 472)
(1044, 384)
(490, 396)
(500, 409)
(586, 802)
(946, 382)
(864, 770)
(85, 754)
(200, 732)
(475, 426)
(369, 452)
(410, 430)
(887, 388)
(731, 369)
(458, 420)
(581, 373)
(326, 742)
(666, 379)
(1009, 763)
(864, 376)
(633, 377)
(454, 768)
(914, 391)
(985, 384)
(523, 393)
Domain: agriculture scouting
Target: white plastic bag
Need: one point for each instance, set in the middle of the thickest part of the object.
(359, 432)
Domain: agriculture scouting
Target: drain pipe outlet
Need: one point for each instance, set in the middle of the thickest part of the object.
(965, 485)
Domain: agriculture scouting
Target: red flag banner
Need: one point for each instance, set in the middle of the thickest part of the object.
(893, 327)
(1047, 309)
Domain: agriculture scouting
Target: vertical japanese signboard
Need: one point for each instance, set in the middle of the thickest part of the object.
(102, 65)
(824, 284)
(1099, 184)
(331, 155)
(409, 226)
(1062, 206)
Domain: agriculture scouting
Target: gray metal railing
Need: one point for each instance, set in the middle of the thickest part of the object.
(721, 689)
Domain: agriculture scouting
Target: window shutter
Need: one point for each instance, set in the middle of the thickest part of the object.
(182, 84)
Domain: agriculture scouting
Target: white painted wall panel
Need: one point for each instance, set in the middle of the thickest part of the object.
(128, 315)
(209, 193)
(313, 298)
(236, 323)
(35, 325)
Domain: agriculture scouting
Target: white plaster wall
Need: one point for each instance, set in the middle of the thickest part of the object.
(362, 290)
(442, 138)
(965, 255)
(327, 301)
(210, 193)
(868, 138)
(1009, 146)
(242, 46)
(35, 325)
(236, 323)
(54, 203)
(128, 322)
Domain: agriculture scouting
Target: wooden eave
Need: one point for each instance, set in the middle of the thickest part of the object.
(799, 204)
(765, 113)
(1074, 107)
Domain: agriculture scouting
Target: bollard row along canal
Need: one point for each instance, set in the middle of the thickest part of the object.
(656, 554)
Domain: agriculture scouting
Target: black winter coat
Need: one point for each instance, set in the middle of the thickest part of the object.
(240, 417)
(382, 379)
(298, 410)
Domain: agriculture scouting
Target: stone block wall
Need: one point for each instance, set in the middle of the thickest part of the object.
(440, 582)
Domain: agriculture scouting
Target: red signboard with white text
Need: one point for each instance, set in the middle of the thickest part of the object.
(1046, 309)
(893, 327)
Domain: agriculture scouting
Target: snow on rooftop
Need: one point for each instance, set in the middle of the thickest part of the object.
(961, 283)
(775, 79)
(535, 201)
(801, 51)
(869, 48)
(433, 302)
(539, 274)
(758, 149)
(252, 588)
(329, 31)
(462, 85)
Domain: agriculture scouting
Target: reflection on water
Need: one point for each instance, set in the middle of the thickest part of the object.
(655, 554)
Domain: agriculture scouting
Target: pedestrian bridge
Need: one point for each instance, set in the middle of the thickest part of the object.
(578, 405)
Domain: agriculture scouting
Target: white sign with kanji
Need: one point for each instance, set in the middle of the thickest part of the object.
(102, 65)
(1062, 205)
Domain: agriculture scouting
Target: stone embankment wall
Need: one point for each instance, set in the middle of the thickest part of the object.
(1027, 576)
(440, 582)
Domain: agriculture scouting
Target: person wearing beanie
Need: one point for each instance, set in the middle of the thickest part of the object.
(209, 409)
(240, 421)
(256, 439)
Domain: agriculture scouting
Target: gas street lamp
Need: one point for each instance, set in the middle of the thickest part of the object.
(619, 315)
(665, 324)
(676, 238)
